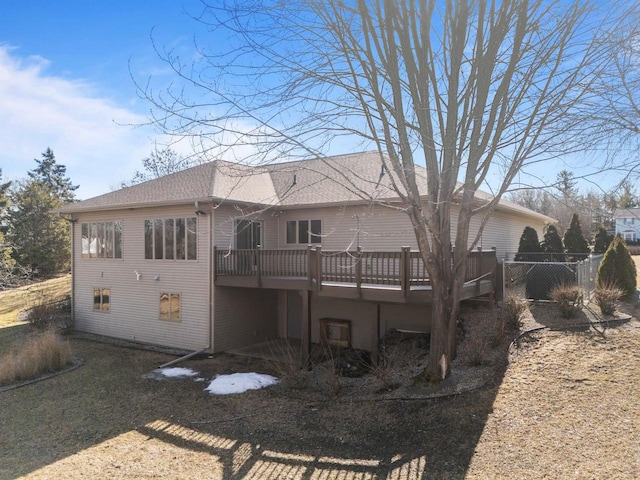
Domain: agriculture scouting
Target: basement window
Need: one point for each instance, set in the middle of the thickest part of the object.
(170, 306)
(101, 299)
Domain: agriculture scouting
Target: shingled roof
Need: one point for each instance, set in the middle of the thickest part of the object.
(323, 181)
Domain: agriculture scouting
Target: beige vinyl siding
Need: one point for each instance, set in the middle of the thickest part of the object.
(225, 218)
(362, 315)
(504, 230)
(134, 312)
(405, 317)
(380, 228)
(385, 229)
(364, 318)
(243, 316)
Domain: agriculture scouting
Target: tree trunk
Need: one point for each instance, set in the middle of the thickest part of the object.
(440, 355)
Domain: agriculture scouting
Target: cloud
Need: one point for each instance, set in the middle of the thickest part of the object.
(88, 133)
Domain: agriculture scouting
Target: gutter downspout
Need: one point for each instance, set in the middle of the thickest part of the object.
(211, 285)
(73, 273)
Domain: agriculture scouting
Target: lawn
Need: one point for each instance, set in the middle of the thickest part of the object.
(16, 300)
(564, 407)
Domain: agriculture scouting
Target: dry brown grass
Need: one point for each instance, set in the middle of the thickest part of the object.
(41, 353)
(12, 302)
(566, 407)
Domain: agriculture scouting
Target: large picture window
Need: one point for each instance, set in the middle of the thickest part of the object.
(304, 231)
(102, 239)
(171, 239)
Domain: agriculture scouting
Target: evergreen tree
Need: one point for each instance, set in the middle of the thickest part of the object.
(552, 244)
(53, 175)
(618, 268)
(529, 248)
(574, 242)
(7, 263)
(40, 239)
(601, 241)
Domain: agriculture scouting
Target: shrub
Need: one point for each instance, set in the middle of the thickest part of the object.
(44, 352)
(569, 299)
(529, 248)
(512, 310)
(45, 313)
(618, 267)
(574, 242)
(601, 241)
(552, 244)
(606, 296)
(474, 350)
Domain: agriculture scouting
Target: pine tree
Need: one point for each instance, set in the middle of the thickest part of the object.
(618, 268)
(552, 244)
(574, 242)
(40, 239)
(601, 241)
(529, 248)
(52, 174)
(7, 263)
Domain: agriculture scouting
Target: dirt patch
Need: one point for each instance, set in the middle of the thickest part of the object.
(565, 407)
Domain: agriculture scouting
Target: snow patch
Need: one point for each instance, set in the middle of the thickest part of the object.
(239, 383)
(177, 372)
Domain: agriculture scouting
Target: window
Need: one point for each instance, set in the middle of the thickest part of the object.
(304, 231)
(169, 306)
(171, 239)
(102, 240)
(101, 299)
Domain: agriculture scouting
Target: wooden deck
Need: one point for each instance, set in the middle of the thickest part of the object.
(398, 277)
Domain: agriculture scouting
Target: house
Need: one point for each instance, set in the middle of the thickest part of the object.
(221, 256)
(627, 223)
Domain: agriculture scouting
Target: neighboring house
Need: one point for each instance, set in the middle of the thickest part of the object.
(221, 256)
(627, 222)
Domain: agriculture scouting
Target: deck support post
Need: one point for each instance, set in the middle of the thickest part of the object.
(405, 271)
(259, 265)
(306, 327)
(375, 337)
(318, 269)
(359, 271)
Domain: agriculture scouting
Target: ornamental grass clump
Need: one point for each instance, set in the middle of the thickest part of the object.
(42, 353)
(569, 299)
(606, 296)
(512, 310)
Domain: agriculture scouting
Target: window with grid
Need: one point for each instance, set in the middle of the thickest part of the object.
(304, 231)
(171, 239)
(101, 299)
(169, 306)
(102, 239)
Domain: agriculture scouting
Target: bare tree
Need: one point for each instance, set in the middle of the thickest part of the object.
(161, 162)
(474, 90)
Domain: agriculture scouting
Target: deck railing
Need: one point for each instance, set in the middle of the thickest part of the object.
(403, 268)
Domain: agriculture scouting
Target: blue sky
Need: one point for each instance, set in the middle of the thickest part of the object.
(65, 83)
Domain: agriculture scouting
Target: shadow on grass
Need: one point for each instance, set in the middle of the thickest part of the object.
(105, 419)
